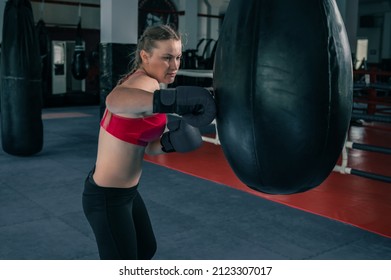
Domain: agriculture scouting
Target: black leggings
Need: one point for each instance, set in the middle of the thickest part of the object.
(120, 222)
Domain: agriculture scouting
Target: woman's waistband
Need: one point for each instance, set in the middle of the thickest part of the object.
(90, 187)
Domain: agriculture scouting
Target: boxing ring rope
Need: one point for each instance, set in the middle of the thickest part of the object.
(370, 148)
(195, 73)
(344, 169)
(378, 118)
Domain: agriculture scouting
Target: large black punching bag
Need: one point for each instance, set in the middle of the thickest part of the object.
(45, 43)
(283, 86)
(21, 93)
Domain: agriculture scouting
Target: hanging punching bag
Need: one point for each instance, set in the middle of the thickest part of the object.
(283, 86)
(21, 93)
(79, 62)
(0, 77)
(45, 54)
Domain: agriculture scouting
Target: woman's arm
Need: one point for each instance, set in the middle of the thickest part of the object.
(154, 148)
(128, 101)
(133, 97)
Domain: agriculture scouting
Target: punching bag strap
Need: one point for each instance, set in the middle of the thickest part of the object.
(79, 37)
(79, 46)
(79, 63)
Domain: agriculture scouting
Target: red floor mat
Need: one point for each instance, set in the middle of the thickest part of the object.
(354, 200)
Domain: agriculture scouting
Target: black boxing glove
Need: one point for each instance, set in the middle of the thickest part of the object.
(181, 137)
(195, 104)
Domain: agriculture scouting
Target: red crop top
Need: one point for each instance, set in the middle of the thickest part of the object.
(138, 131)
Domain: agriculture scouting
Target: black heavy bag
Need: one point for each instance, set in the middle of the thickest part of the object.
(283, 86)
(21, 93)
(46, 54)
(0, 77)
(79, 61)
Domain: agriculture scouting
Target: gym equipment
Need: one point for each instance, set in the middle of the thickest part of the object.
(195, 104)
(208, 76)
(21, 92)
(45, 50)
(79, 61)
(283, 88)
(344, 169)
(0, 77)
(376, 118)
(181, 137)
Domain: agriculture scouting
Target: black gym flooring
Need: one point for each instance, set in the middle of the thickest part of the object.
(41, 215)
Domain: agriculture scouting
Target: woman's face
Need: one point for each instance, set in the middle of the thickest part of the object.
(164, 60)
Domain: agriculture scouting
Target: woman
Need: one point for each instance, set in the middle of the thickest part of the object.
(133, 124)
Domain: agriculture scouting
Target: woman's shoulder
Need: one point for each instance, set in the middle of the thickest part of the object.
(141, 80)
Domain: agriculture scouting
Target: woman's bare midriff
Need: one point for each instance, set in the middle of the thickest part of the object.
(118, 163)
